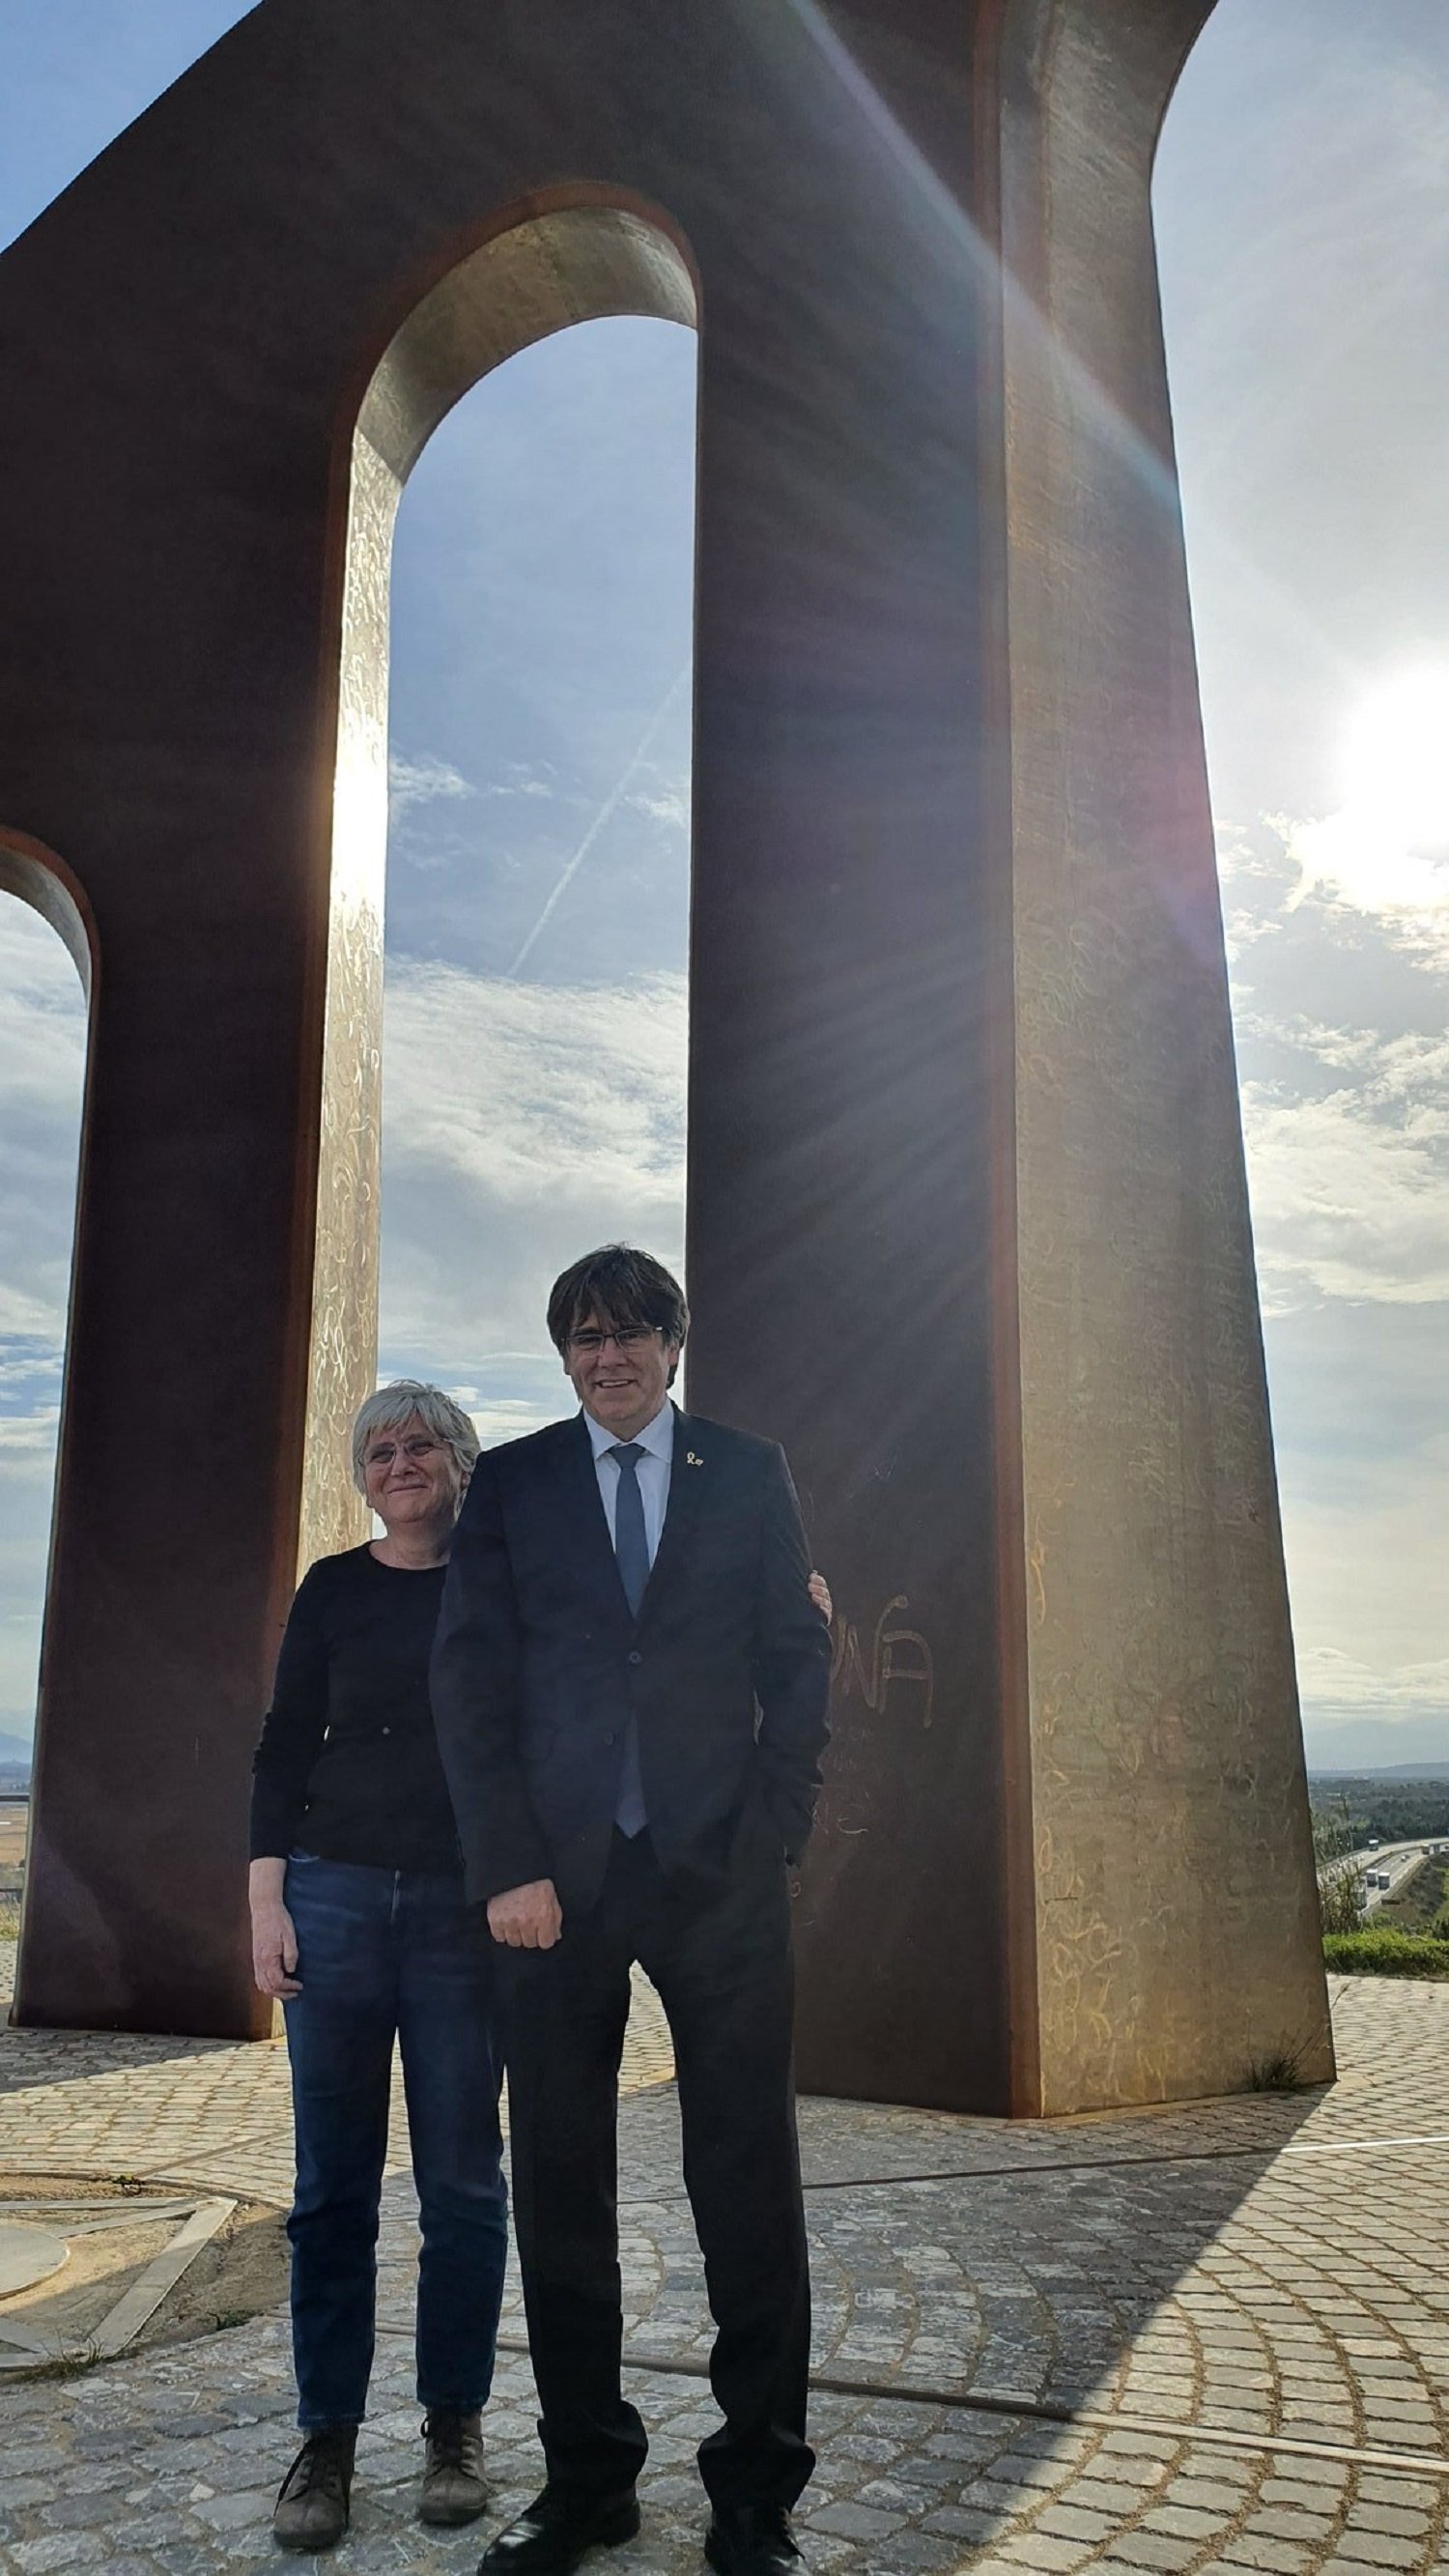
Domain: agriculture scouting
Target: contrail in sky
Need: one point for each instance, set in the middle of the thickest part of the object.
(608, 808)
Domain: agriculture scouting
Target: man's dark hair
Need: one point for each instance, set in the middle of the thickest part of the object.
(623, 1287)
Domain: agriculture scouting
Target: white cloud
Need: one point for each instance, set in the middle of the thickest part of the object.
(668, 805)
(1344, 1204)
(1353, 1714)
(1358, 859)
(1337, 1685)
(27, 1473)
(1366, 1539)
(1380, 861)
(42, 1071)
(30, 1435)
(422, 781)
(37, 1311)
(517, 780)
(522, 1123)
(525, 1089)
(1345, 1078)
(1346, 1124)
(498, 1418)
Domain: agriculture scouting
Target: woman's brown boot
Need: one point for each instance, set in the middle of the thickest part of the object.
(315, 2496)
(454, 2487)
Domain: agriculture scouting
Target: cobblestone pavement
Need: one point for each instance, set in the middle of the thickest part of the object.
(193, 2110)
(1185, 2343)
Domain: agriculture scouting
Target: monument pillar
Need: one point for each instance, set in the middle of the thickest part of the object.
(1064, 1856)
(1178, 1946)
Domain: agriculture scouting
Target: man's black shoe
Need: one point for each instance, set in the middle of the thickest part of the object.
(557, 2529)
(751, 2540)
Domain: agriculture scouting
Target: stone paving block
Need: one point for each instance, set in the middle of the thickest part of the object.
(1414, 2495)
(855, 2521)
(127, 2565)
(959, 2439)
(151, 2530)
(1304, 2470)
(1293, 2522)
(58, 2551)
(1277, 2557)
(888, 2495)
(1097, 2494)
(1220, 2490)
(1134, 2468)
(914, 2553)
(921, 2469)
(1074, 2522)
(1377, 2548)
(1183, 2522)
(1004, 2497)
(1338, 2565)
(1028, 2469)
(1139, 2547)
(1040, 2549)
(959, 2522)
(1313, 2489)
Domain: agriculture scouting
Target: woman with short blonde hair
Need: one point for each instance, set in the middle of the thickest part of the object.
(360, 1928)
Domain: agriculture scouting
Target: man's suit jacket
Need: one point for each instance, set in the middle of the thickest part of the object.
(539, 1664)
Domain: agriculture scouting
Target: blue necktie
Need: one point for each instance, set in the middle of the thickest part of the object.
(631, 1548)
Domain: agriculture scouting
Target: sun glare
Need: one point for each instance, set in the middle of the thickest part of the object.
(1387, 848)
(1396, 760)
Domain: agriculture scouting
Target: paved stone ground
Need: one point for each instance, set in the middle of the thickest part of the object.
(196, 2110)
(1185, 2343)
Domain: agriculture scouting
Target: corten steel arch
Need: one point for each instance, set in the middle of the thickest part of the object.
(967, 1223)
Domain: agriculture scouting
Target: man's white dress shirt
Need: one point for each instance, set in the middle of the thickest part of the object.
(653, 1469)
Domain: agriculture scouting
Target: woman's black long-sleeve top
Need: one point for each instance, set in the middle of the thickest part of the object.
(348, 1764)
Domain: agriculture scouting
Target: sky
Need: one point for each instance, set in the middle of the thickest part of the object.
(538, 863)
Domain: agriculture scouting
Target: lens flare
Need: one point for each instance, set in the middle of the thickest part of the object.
(1396, 760)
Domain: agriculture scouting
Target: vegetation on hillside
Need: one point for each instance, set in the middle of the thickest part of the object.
(1392, 1811)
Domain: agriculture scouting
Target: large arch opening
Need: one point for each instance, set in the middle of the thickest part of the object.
(1305, 312)
(543, 273)
(45, 977)
(535, 1049)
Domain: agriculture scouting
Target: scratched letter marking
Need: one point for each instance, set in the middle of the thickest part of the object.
(899, 1657)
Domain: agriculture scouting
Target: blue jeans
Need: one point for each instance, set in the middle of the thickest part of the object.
(384, 1952)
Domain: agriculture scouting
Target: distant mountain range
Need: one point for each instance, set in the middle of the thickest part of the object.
(1380, 1771)
(15, 1753)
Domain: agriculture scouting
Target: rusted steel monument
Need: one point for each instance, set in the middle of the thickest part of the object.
(967, 1229)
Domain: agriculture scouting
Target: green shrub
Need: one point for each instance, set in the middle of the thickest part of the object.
(1341, 1900)
(1382, 1953)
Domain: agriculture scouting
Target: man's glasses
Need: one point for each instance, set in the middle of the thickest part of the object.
(629, 1337)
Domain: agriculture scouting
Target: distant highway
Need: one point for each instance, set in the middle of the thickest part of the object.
(1398, 1861)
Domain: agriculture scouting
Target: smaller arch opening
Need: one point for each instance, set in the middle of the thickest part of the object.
(43, 1053)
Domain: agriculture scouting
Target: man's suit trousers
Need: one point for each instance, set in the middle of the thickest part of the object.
(718, 1952)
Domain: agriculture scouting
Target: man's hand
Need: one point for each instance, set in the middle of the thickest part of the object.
(274, 1940)
(527, 1918)
(819, 1591)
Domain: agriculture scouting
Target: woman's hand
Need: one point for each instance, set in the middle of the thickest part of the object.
(274, 1938)
(820, 1594)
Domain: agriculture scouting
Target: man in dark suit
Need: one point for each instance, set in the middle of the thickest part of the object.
(630, 1686)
